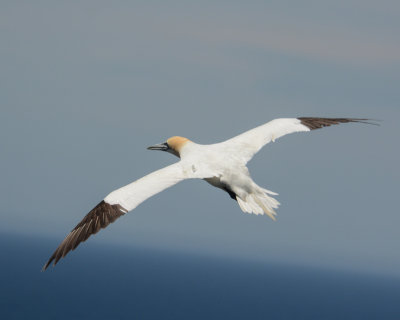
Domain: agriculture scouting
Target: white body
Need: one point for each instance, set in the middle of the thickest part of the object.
(223, 165)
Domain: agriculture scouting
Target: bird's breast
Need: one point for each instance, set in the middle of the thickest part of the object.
(207, 161)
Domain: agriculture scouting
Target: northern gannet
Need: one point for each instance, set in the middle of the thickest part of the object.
(222, 165)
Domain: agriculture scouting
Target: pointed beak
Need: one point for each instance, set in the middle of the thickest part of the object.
(161, 147)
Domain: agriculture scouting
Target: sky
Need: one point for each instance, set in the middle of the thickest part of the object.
(86, 86)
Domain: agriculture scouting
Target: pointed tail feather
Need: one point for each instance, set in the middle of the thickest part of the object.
(269, 192)
(259, 204)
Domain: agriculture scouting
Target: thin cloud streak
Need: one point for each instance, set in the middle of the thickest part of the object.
(118, 33)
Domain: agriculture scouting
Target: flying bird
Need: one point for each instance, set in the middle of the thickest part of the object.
(223, 165)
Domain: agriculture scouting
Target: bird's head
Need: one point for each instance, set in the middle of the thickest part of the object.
(173, 145)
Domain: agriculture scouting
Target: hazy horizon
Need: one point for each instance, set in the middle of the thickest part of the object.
(120, 282)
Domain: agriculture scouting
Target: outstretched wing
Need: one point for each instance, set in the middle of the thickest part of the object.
(116, 204)
(247, 144)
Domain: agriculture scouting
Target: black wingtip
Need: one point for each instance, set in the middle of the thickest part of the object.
(374, 122)
(98, 218)
(317, 123)
(48, 263)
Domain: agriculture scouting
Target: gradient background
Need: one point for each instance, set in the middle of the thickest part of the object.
(86, 86)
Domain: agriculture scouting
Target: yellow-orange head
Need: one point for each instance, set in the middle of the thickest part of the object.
(176, 143)
(173, 145)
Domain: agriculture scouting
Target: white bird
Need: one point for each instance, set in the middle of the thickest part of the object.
(222, 165)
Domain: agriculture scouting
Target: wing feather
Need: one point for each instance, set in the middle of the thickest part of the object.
(115, 205)
(247, 144)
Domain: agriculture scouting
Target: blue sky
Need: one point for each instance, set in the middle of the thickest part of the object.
(86, 86)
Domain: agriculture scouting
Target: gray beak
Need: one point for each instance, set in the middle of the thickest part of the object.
(161, 147)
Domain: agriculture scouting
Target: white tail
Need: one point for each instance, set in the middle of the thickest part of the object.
(259, 203)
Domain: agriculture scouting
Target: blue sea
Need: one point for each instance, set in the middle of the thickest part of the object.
(113, 282)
